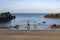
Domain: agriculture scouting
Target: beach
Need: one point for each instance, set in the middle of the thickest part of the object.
(29, 19)
(30, 35)
(30, 27)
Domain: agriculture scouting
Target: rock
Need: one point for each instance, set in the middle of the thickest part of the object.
(44, 22)
(5, 17)
(55, 26)
(57, 15)
(16, 26)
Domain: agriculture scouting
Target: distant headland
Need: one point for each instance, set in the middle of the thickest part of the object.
(57, 15)
(6, 16)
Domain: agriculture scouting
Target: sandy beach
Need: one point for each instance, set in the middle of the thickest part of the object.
(30, 35)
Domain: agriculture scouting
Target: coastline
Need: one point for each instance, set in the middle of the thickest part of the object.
(16, 34)
(30, 35)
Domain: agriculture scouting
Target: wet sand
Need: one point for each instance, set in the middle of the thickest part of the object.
(30, 35)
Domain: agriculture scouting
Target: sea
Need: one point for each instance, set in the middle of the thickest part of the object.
(22, 18)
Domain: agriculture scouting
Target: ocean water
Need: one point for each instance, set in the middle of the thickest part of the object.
(22, 18)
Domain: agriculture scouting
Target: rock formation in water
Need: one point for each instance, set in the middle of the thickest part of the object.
(55, 26)
(52, 15)
(5, 17)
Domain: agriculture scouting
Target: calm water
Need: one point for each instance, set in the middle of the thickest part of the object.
(21, 20)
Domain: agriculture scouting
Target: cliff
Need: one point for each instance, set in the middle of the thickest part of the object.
(52, 15)
(4, 17)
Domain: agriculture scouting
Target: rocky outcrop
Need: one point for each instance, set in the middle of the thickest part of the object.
(52, 15)
(4, 17)
(55, 26)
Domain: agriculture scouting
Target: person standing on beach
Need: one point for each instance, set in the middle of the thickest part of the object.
(28, 25)
(35, 24)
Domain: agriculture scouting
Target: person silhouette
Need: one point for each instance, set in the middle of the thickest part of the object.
(28, 25)
(35, 24)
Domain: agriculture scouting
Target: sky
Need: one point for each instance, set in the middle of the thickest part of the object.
(30, 6)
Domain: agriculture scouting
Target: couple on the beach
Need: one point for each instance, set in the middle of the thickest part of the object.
(28, 25)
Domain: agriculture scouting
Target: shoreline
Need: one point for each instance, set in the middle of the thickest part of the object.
(25, 29)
